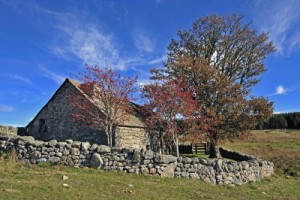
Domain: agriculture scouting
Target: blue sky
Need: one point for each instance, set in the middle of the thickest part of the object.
(42, 42)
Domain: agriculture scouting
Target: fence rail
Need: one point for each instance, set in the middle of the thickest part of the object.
(199, 148)
(194, 148)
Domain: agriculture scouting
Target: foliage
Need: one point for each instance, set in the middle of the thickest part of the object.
(221, 58)
(110, 92)
(277, 122)
(282, 121)
(227, 44)
(166, 103)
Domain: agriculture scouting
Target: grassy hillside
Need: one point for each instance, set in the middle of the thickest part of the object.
(35, 182)
(279, 146)
(19, 181)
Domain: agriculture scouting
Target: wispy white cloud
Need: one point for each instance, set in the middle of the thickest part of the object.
(158, 60)
(281, 20)
(280, 90)
(52, 75)
(294, 43)
(29, 96)
(143, 42)
(77, 37)
(60, 52)
(23, 79)
(6, 108)
(89, 43)
(27, 8)
(94, 47)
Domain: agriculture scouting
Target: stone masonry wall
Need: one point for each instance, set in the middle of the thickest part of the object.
(131, 137)
(54, 121)
(83, 154)
(58, 121)
(8, 130)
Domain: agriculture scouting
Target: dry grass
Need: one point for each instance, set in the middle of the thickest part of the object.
(44, 182)
(280, 146)
(18, 181)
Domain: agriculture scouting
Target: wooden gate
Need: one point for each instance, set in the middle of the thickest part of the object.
(199, 148)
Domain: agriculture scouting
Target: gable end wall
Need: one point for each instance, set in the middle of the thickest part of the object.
(57, 113)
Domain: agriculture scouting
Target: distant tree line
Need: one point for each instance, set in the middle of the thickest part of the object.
(282, 121)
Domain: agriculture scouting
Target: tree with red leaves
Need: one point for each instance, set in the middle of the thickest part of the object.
(222, 58)
(106, 101)
(168, 103)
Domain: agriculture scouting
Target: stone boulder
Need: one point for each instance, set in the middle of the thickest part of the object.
(76, 144)
(94, 147)
(85, 146)
(103, 149)
(41, 160)
(52, 143)
(96, 161)
(61, 144)
(54, 160)
(37, 143)
(69, 141)
(168, 171)
(194, 176)
(75, 152)
(27, 138)
(203, 161)
(136, 157)
(195, 160)
(149, 154)
(218, 165)
(165, 159)
(186, 160)
(5, 137)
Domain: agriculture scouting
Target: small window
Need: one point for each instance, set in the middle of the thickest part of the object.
(43, 126)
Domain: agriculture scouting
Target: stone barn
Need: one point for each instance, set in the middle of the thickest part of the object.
(54, 121)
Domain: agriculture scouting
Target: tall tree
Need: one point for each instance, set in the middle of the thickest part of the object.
(284, 120)
(228, 44)
(167, 103)
(278, 122)
(107, 101)
(222, 58)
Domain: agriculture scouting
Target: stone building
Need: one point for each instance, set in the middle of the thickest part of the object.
(54, 121)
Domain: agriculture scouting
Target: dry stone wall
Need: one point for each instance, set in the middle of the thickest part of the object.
(83, 154)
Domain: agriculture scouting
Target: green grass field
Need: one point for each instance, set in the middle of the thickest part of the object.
(278, 146)
(19, 181)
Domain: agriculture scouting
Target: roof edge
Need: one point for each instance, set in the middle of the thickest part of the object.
(67, 80)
